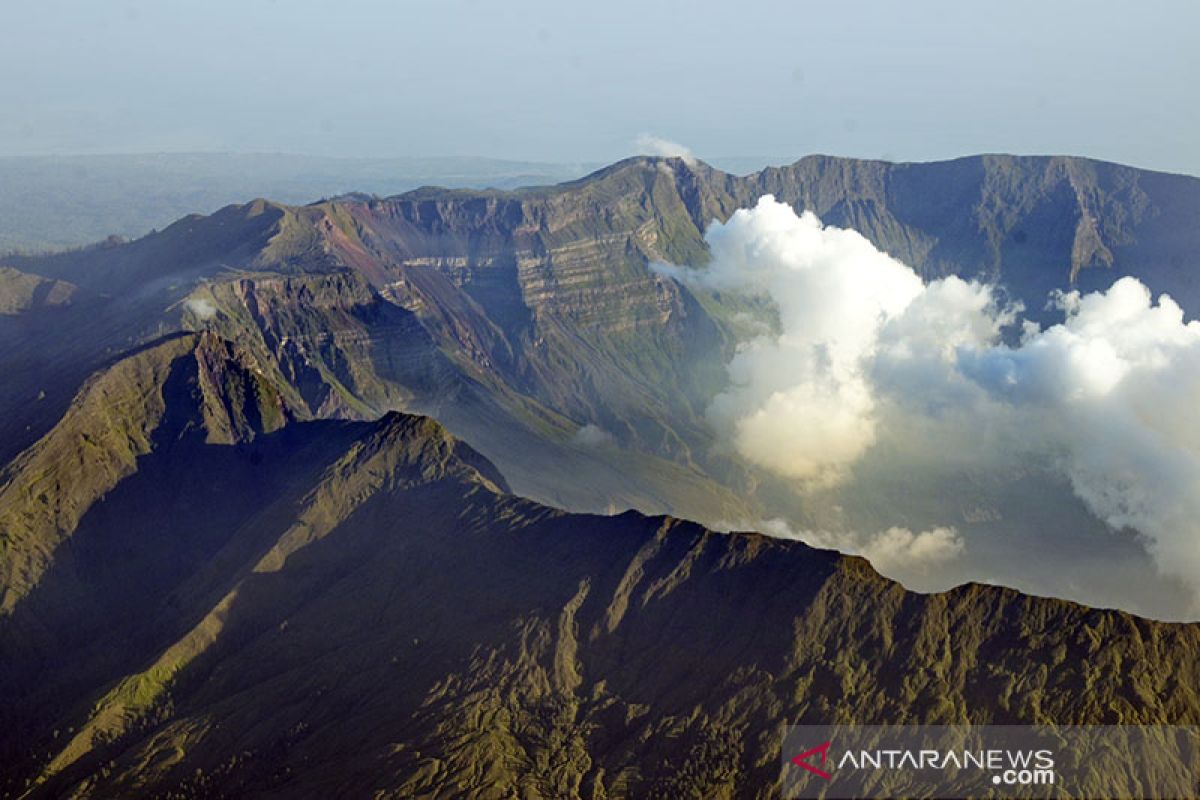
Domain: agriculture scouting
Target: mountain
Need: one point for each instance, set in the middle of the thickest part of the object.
(215, 595)
(528, 322)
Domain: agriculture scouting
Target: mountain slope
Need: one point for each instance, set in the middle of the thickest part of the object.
(529, 323)
(21, 292)
(118, 418)
(385, 618)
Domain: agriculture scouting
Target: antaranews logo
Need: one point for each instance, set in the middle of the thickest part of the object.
(802, 759)
(1011, 767)
(1000, 761)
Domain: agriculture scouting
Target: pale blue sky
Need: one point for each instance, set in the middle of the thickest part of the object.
(567, 81)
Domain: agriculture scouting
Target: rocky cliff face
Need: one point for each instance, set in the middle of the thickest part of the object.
(528, 320)
(1031, 223)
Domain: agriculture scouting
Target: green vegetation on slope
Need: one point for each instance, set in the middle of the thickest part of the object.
(119, 417)
(403, 627)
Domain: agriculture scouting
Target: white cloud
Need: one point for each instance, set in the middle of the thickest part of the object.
(201, 307)
(801, 403)
(650, 145)
(900, 549)
(897, 552)
(1117, 387)
(590, 435)
(865, 351)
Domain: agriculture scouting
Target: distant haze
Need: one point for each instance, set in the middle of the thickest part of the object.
(50, 202)
(564, 82)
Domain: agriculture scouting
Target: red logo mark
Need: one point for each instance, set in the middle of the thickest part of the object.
(802, 760)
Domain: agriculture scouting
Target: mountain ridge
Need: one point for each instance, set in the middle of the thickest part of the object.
(384, 617)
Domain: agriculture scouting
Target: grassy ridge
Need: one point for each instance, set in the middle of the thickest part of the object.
(398, 624)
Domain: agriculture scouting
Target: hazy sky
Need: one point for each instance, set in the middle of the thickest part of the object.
(569, 81)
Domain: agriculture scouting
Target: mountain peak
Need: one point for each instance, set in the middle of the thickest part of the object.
(187, 386)
(409, 447)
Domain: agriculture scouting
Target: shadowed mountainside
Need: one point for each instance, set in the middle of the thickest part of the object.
(364, 608)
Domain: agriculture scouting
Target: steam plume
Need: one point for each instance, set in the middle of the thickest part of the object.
(654, 146)
(862, 348)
